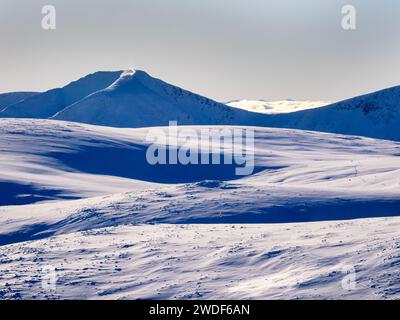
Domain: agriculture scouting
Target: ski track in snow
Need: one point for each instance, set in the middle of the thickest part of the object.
(129, 235)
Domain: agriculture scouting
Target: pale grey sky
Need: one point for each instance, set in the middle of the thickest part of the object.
(223, 49)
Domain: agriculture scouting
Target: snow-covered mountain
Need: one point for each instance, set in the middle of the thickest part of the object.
(46, 104)
(135, 99)
(293, 226)
(7, 99)
(374, 115)
(276, 107)
(138, 100)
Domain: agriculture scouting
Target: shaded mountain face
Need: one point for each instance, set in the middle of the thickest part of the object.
(375, 115)
(9, 98)
(138, 100)
(46, 104)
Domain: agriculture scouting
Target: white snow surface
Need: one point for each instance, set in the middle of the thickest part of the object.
(276, 107)
(285, 261)
(286, 231)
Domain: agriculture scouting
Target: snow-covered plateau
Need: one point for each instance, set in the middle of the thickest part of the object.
(277, 107)
(316, 219)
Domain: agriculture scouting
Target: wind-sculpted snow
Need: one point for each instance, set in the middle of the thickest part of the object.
(284, 261)
(300, 176)
(191, 204)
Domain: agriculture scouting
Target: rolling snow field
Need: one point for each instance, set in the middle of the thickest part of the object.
(319, 209)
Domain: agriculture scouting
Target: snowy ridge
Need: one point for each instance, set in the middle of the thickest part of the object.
(7, 99)
(46, 104)
(374, 115)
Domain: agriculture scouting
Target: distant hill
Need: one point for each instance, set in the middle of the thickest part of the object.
(374, 115)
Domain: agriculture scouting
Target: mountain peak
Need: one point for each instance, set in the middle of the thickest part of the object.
(128, 79)
(133, 73)
(127, 73)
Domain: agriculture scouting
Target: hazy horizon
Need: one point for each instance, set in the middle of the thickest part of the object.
(225, 50)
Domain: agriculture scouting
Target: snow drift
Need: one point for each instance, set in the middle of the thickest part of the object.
(284, 261)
